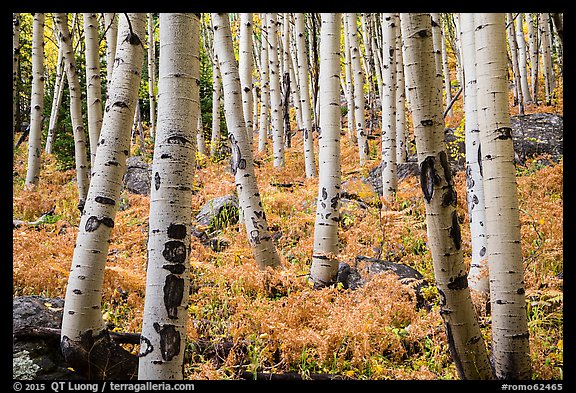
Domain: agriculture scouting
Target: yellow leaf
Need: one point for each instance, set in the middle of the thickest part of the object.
(560, 344)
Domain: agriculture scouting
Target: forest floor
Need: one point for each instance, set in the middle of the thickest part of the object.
(274, 321)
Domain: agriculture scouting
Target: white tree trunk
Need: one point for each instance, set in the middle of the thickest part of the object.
(246, 64)
(36, 102)
(82, 310)
(324, 267)
(216, 96)
(349, 85)
(358, 89)
(93, 88)
(401, 128)
(437, 40)
(446, 72)
(309, 157)
(532, 23)
(522, 58)
(82, 174)
(56, 100)
(259, 237)
(277, 118)
(265, 89)
(388, 97)
(510, 337)
(514, 59)
(544, 29)
(151, 75)
(111, 28)
(478, 274)
(465, 340)
(163, 339)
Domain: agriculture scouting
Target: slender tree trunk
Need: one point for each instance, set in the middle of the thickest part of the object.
(465, 340)
(401, 128)
(56, 100)
(216, 96)
(152, 74)
(82, 175)
(36, 102)
(358, 89)
(265, 90)
(548, 72)
(15, 67)
(259, 237)
(349, 85)
(324, 267)
(478, 274)
(163, 339)
(533, 45)
(514, 59)
(309, 156)
(275, 93)
(200, 140)
(246, 65)
(93, 88)
(111, 28)
(437, 40)
(446, 72)
(522, 58)
(82, 324)
(388, 97)
(510, 337)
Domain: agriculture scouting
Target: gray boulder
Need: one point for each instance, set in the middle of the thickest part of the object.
(138, 176)
(215, 215)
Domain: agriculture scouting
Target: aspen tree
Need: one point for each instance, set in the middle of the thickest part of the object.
(401, 131)
(261, 242)
(466, 344)
(82, 175)
(93, 88)
(36, 102)
(388, 97)
(276, 111)
(358, 76)
(82, 322)
(15, 66)
(216, 97)
(151, 74)
(245, 65)
(544, 33)
(522, 58)
(56, 100)
(111, 34)
(533, 50)
(163, 338)
(446, 73)
(265, 88)
(510, 337)
(437, 40)
(514, 58)
(309, 156)
(478, 274)
(324, 267)
(349, 85)
(294, 82)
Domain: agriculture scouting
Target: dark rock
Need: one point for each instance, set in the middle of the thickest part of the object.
(409, 168)
(538, 133)
(214, 216)
(138, 176)
(38, 311)
(355, 277)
